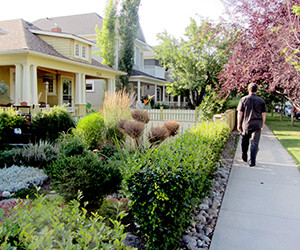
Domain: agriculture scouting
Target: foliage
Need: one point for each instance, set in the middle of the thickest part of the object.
(69, 145)
(15, 178)
(172, 127)
(163, 183)
(9, 119)
(91, 130)
(35, 155)
(158, 134)
(140, 115)
(195, 61)
(116, 106)
(47, 223)
(159, 105)
(262, 55)
(210, 106)
(106, 37)
(87, 173)
(129, 24)
(49, 123)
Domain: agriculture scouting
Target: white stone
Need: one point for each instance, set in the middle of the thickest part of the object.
(5, 194)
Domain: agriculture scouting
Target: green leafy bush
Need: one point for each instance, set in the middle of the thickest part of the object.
(95, 178)
(9, 119)
(165, 182)
(49, 123)
(91, 129)
(71, 145)
(47, 223)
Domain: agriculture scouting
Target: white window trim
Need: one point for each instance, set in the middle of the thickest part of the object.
(93, 86)
(80, 56)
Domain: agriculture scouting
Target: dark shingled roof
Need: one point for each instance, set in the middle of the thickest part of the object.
(81, 25)
(140, 73)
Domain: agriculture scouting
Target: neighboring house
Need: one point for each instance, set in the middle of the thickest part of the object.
(48, 67)
(147, 78)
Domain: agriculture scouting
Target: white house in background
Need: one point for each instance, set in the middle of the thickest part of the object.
(148, 77)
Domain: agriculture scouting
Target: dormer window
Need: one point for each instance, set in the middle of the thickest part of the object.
(81, 51)
(77, 50)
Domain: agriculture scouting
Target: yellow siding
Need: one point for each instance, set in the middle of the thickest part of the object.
(62, 45)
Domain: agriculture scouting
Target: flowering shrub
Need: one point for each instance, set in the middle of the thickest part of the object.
(15, 178)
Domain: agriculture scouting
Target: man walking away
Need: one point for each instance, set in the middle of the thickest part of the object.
(251, 120)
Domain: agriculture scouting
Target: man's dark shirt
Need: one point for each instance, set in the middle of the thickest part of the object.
(252, 107)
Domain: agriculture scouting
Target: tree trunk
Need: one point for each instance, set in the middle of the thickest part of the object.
(292, 117)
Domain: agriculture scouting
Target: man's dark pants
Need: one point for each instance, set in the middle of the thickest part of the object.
(253, 136)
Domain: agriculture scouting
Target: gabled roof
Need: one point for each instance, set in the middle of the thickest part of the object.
(20, 37)
(81, 25)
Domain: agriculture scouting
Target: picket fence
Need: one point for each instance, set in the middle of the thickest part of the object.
(186, 118)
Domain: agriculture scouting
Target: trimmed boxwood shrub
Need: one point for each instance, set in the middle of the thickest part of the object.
(164, 183)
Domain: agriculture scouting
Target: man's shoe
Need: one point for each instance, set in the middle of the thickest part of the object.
(244, 158)
(251, 164)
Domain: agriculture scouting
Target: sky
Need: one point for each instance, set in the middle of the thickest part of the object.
(155, 15)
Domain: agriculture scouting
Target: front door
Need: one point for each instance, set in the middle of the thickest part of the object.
(67, 92)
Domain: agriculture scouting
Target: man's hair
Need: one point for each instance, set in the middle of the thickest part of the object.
(252, 87)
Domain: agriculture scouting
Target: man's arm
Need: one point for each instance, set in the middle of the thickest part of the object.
(264, 120)
(240, 121)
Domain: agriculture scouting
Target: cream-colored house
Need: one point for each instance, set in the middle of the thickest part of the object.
(147, 78)
(49, 67)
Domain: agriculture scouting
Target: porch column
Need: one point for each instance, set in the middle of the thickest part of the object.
(83, 90)
(164, 93)
(178, 102)
(113, 85)
(18, 87)
(78, 88)
(155, 93)
(34, 85)
(139, 91)
(26, 83)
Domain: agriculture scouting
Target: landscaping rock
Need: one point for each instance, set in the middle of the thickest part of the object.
(5, 194)
(133, 241)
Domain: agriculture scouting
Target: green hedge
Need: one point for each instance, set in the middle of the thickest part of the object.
(164, 183)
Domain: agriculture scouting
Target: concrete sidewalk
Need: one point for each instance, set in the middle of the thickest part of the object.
(261, 205)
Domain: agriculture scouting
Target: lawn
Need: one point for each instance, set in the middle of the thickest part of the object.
(289, 136)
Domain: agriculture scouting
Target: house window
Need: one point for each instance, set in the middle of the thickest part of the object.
(89, 86)
(51, 84)
(83, 52)
(77, 50)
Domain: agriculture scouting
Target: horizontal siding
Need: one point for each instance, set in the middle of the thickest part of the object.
(62, 45)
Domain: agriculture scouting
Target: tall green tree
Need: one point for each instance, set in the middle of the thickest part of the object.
(128, 27)
(195, 61)
(106, 37)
